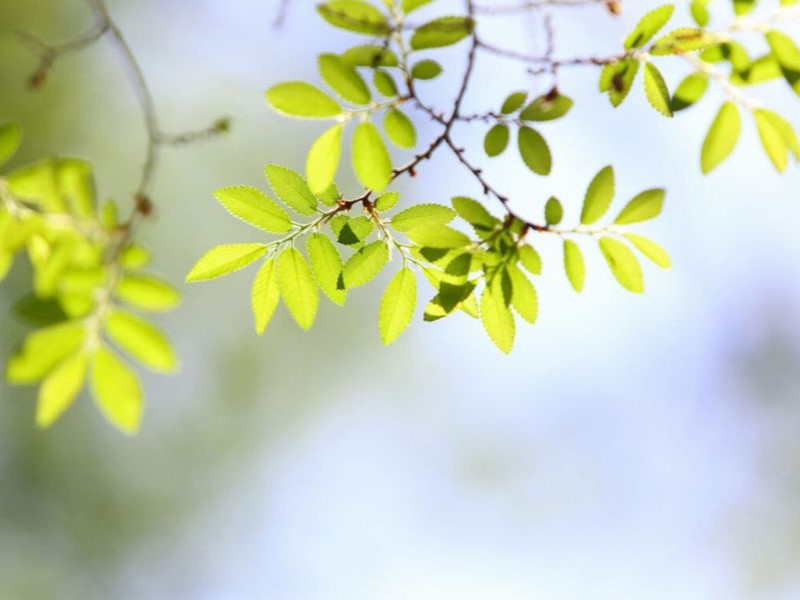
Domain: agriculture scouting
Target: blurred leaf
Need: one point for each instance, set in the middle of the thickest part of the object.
(117, 391)
(60, 388)
(142, 341)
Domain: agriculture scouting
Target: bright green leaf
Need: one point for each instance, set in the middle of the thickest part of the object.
(225, 259)
(254, 207)
(297, 287)
(397, 305)
(300, 99)
(371, 160)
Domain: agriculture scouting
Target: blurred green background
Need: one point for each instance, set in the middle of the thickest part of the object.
(629, 448)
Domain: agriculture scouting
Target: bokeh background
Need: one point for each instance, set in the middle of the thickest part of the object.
(629, 448)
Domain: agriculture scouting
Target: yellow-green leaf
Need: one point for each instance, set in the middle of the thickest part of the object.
(225, 259)
(60, 388)
(643, 207)
(598, 196)
(344, 79)
(323, 159)
(371, 160)
(534, 151)
(265, 295)
(142, 341)
(656, 90)
(365, 264)
(496, 316)
(303, 100)
(397, 305)
(574, 265)
(291, 189)
(254, 207)
(650, 249)
(148, 293)
(117, 391)
(297, 287)
(722, 137)
(623, 264)
(326, 265)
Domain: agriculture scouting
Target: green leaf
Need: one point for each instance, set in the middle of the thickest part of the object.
(690, 91)
(743, 7)
(412, 5)
(621, 77)
(344, 79)
(598, 196)
(326, 265)
(265, 295)
(683, 40)
(474, 213)
(352, 231)
(699, 10)
(355, 16)
(496, 316)
(721, 138)
(330, 196)
(534, 151)
(300, 99)
(785, 129)
(444, 31)
(399, 129)
(365, 264)
(387, 201)
(254, 207)
(649, 26)
(225, 259)
(574, 265)
(650, 249)
(422, 214)
(60, 388)
(291, 189)
(426, 69)
(623, 264)
(523, 298)
(117, 391)
(553, 211)
(656, 90)
(772, 140)
(371, 160)
(496, 140)
(530, 259)
(384, 83)
(147, 292)
(38, 311)
(438, 236)
(323, 160)
(397, 305)
(10, 138)
(141, 341)
(787, 54)
(643, 207)
(297, 287)
(547, 108)
(135, 257)
(513, 102)
(43, 350)
(370, 56)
